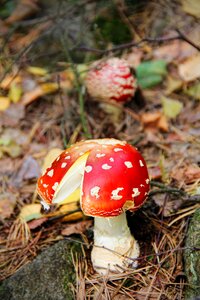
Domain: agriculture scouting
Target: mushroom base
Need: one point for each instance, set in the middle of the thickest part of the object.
(114, 247)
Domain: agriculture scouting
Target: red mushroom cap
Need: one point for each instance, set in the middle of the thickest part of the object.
(112, 174)
(111, 80)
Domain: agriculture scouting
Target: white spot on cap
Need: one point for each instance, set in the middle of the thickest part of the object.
(95, 191)
(67, 157)
(98, 155)
(57, 159)
(147, 181)
(115, 193)
(45, 185)
(118, 149)
(63, 165)
(136, 192)
(50, 173)
(141, 163)
(88, 169)
(128, 164)
(54, 187)
(106, 167)
(142, 185)
(45, 205)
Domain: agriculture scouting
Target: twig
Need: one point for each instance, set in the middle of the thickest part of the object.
(179, 36)
(187, 40)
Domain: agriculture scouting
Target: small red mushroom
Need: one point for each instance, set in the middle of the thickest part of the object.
(111, 81)
(113, 178)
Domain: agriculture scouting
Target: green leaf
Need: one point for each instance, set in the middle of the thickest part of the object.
(148, 68)
(171, 107)
(194, 91)
(150, 81)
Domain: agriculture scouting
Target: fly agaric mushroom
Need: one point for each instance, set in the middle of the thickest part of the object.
(113, 178)
(111, 81)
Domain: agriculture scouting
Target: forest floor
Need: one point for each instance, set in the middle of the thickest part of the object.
(45, 108)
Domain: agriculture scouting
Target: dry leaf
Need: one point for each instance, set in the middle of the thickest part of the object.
(171, 107)
(39, 91)
(187, 174)
(37, 71)
(28, 170)
(190, 69)
(191, 7)
(154, 120)
(24, 9)
(155, 173)
(9, 79)
(4, 103)
(173, 84)
(77, 228)
(7, 204)
(37, 222)
(73, 217)
(15, 92)
(31, 211)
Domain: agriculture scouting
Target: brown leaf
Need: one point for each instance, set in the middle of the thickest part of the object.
(189, 70)
(28, 170)
(36, 223)
(186, 174)
(77, 228)
(7, 204)
(24, 9)
(12, 115)
(154, 120)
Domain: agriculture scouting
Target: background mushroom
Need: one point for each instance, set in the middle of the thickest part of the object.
(111, 80)
(113, 178)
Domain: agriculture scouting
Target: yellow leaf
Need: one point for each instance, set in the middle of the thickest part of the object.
(171, 107)
(50, 157)
(30, 212)
(48, 88)
(15, 92)
(173, 85)
(37, 71)
(4, 103)
(191, 7)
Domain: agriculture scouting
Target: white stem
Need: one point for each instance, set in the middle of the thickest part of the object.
(114, 246)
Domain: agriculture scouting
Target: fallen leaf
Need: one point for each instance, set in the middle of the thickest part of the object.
(175, 51)
(4, 103)
(150, 73)
(13, 149)
(171, 107)
(155, 173)
(173, 84)
(30, 212)
(77, 228)
(24, 9)
(37, 71)
(9, 79)
(15, 92)
(193, 91)
(154, 120)
(12, 115)
(7, 205)
(39, 91)
(186, 174)
(33, 224)
(189, 70)
(73, 217)
(191, 7)
(28, 170)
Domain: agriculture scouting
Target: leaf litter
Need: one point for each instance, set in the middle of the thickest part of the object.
(40, 111)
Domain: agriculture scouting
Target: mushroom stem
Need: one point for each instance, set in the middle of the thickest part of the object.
(114, 111)
(114, 246)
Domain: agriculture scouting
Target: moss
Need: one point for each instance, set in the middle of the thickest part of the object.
(192, 257)
(49, 277)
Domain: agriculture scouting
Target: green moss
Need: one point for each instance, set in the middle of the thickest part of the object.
(192, 257)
